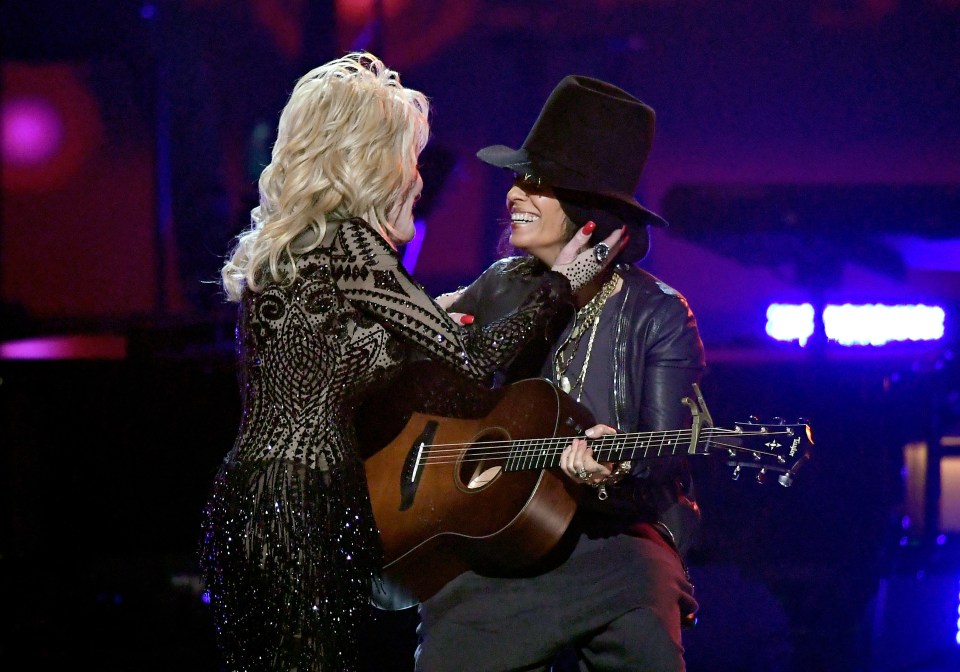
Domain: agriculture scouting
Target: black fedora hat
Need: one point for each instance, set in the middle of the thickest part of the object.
(591, 143)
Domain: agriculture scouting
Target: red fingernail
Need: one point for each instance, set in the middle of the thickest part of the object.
(589, 227)
(466, 319)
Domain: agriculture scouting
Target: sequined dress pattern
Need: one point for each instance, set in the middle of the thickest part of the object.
(289, 544)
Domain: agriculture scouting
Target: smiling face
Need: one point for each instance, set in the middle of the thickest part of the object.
(538, 224)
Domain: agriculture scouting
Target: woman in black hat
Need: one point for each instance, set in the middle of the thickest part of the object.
(326, 317)
(613, 594)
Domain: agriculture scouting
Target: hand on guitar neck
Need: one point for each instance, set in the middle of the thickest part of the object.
(577, 462)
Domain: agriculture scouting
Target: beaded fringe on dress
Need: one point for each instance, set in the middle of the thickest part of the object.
(276, 537)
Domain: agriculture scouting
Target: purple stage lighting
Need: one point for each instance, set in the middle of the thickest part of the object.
(412, 250)
(32, 131)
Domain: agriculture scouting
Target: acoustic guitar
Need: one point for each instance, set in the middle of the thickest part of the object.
(468, 481)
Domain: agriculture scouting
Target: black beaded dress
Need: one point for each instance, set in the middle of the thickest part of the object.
(289, 544)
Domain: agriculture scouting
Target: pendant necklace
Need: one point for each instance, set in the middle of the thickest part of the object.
(587, 317)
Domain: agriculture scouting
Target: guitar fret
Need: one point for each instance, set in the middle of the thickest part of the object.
(537, 454)
(515, 461)
(519, 456)
(549, 454)
(532, 452)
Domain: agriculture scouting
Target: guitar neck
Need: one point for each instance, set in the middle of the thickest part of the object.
(526, 454)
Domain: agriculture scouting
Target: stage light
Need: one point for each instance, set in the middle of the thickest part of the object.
(878, 324)
(51, 125)
(957, 638)
(850, 324)
(76, 346)
(787, 322)
(915, 624)
(32, 131)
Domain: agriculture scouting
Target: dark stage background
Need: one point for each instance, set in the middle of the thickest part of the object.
(805, 151)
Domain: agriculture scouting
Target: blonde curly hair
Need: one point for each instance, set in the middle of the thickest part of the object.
(347, 146)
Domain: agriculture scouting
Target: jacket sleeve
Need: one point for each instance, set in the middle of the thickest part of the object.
(369, 273)
(496, 294)
(674, 362)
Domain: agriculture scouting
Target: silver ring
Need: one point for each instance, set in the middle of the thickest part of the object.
(600, 252)
(582, 473)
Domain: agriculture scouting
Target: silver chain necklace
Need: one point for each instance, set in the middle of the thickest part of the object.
(586, 317)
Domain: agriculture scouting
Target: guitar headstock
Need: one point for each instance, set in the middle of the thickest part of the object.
(775, 446)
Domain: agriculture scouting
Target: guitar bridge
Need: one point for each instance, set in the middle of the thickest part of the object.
(413, 465)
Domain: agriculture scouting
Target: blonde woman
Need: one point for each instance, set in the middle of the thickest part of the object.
(326, 316)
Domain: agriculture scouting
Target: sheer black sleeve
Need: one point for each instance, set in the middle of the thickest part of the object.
(369, 273)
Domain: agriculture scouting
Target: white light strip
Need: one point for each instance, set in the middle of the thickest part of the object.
(877, 324)
(789, 322)
(849, 324)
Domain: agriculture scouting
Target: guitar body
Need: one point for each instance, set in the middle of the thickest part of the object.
(442, 510)
(460, 476)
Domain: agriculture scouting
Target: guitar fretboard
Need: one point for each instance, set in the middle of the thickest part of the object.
(526, 454)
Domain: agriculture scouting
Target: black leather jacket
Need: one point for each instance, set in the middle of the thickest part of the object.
(657, 356)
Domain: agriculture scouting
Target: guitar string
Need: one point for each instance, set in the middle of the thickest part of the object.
(452, 459)
(531, 445)
(686, 433)
(558, 451)
(654, 437)
(533, 451)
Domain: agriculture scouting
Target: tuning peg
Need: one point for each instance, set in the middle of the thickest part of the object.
(777, 420)
(754, 419)
(785, 479)
(736, 473)
(762, 476)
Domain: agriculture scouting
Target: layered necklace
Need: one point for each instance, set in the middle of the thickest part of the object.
(586, 318)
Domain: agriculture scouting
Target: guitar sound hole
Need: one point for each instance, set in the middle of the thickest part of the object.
(483, 461)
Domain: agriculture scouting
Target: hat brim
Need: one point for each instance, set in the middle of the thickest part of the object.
(520, 161)
(623, 206)
(609, 216)
(502, 156)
